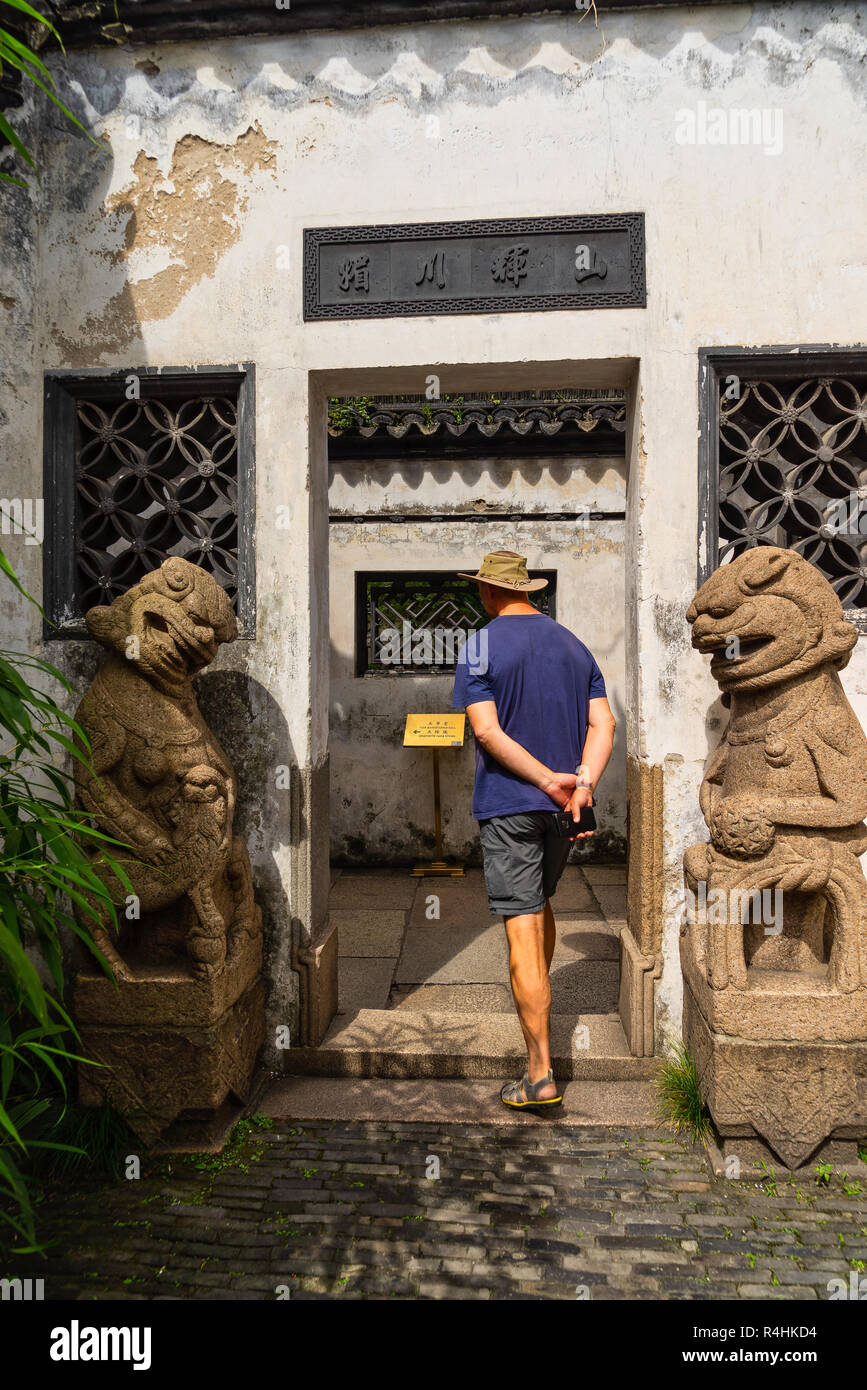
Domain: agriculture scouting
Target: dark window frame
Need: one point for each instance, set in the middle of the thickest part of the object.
(774, 363)
(361, 668)
(62, 389)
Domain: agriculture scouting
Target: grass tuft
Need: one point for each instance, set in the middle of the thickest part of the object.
(679, 1096)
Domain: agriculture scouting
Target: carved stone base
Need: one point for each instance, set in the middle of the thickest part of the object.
(179, 1053)
(749, 1157)
(794, 1095)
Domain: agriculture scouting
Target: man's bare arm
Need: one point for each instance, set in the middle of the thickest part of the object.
(597, 748)
(486, 727)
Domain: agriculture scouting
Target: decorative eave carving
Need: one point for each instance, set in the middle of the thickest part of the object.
(591, 421)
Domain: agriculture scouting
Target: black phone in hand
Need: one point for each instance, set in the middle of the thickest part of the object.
(565, 825)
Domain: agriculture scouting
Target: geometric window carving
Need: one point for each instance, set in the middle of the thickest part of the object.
(791, 467)
(165, 472)
(414, 624)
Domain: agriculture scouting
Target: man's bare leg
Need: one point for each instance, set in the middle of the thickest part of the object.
(550, 933)
(531, 947)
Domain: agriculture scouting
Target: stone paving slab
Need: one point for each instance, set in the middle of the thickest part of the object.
(386, 888)
(364, 982)
(611, 898)
(454, 955)
(462, 902)
(349, 1209)
(368, 931)
(573, 894)
(604, 873)
(482, 999)
(480, 954)
(585, 986)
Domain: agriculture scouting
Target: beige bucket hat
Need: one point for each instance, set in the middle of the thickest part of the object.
(505, 569)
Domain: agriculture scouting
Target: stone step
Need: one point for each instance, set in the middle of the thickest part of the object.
(585, 1103)
(412, 1043)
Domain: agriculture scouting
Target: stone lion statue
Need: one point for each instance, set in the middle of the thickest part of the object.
(785, 793)
(161, 782)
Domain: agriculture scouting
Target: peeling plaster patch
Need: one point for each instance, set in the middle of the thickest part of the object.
(190, 216)
(198, 220)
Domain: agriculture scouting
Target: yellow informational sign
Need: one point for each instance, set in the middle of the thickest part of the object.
(434, 731)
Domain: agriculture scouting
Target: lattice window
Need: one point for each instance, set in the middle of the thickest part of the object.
(786, 462)
(415, 624)
(166, 472)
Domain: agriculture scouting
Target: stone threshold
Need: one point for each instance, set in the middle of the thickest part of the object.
(585, 1103)
(424, 1044)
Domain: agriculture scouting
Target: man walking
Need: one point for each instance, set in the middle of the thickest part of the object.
(536, 701)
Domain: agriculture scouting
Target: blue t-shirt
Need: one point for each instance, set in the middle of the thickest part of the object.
(541, 679)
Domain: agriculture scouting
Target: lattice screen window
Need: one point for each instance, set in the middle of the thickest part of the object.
(415, 624)
(141, 467)
(791, 466)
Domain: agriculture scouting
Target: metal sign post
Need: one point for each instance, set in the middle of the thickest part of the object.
(435, 731)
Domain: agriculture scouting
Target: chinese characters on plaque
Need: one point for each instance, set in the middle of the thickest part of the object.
(576, 262)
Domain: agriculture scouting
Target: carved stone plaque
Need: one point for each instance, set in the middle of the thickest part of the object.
(528, 263)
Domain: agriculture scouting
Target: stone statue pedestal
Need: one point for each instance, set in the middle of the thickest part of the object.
(181, 1050)
(783, 1066)
(774, 948)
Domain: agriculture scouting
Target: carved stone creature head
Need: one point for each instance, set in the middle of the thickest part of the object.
(169, 625)
(766, 617)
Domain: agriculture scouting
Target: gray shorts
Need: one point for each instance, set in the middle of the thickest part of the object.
(523, 861)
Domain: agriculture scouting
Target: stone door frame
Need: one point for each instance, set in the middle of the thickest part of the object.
(314, 943)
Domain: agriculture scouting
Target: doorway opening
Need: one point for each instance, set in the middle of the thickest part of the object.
(418, 490)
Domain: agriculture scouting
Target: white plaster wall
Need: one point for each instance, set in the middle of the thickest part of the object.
(168, 250)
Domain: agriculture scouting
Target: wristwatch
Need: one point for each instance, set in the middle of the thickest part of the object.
(587, 785)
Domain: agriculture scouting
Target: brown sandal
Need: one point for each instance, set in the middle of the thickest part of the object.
(511, 1093)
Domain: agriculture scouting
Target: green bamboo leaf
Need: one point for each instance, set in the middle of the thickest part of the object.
(12, 139)
(34, 14)
(4, 563)
(37, 82)
(26, 975)
(7, 1124)
(9, 41)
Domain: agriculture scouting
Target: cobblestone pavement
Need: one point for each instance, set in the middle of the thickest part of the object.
(341, 1209)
